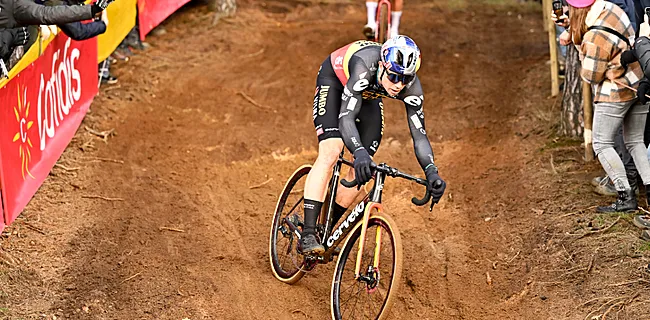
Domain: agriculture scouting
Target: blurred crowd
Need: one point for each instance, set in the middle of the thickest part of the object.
(22, 21)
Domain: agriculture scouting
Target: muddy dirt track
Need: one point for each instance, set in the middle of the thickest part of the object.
(189, 146)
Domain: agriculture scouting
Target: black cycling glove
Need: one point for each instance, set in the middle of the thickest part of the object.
(437, 186)
(362, 167)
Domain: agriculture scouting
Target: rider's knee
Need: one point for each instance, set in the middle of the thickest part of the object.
(328, 154)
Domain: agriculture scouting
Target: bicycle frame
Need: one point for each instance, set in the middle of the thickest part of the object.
(372, 200)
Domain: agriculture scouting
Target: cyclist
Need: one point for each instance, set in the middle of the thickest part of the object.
(348, 110)
(371, 27)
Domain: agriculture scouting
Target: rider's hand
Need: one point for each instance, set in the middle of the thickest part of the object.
(644, 88)
(565, 38)
(436, 190)
(362, 167)
(627, 57)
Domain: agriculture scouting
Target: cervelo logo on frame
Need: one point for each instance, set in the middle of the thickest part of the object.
(57, 94)
(346, 223)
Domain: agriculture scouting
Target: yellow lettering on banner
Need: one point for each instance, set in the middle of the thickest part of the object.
(121, 19)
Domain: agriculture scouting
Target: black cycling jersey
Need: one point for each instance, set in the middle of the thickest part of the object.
(353, 70)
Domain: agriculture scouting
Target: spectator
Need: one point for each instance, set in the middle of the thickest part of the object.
(81, 31)
(20, 13)
(9, 39)
(601, 31)
(603, 184)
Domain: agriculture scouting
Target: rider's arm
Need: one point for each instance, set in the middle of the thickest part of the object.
(413, 100)
(360, 77)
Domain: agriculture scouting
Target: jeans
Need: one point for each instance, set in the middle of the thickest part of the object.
(608, 117)
(628, 162)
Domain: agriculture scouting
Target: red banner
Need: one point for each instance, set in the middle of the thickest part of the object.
(152, 12)
(40, 112)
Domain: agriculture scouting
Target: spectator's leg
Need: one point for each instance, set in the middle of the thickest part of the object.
(607, 120)
(628, 161)
(634, 127)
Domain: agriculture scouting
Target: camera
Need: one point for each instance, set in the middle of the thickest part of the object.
(559, 11)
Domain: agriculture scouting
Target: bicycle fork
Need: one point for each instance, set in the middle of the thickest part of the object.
(374, 203)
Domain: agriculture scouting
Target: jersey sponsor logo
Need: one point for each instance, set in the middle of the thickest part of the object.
(349, 221)
(417, 123)
(338, 62)
(352, 104)
(374, 145)
(361, 85)
(346, 94)
(355, 142)
(420, 113)
(322, 100)
(413, 100)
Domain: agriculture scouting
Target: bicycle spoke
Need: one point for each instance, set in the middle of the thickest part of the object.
(344, 303)
(341, 293)
(284, 257)
(356, 300)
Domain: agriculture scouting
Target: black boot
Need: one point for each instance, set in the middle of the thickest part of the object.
(626, 202)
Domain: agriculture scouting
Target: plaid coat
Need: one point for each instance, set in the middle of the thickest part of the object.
(600, 53)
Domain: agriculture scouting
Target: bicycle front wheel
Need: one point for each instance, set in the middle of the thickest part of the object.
(370, 294)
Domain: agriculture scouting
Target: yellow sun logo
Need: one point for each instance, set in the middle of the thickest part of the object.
(22, 112)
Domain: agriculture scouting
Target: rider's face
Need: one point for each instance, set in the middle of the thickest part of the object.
(392, 88)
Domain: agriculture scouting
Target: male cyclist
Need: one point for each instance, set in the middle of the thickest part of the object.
(371, 27)
(348, 110)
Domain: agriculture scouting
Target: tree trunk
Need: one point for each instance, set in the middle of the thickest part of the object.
(572, 120)
(223, 8)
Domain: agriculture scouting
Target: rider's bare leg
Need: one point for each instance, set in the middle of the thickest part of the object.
(371, 7)
(395, 17)
(345, 196)
(321, 172)
(318, 178)
(399, 5)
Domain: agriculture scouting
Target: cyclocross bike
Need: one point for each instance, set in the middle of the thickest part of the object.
(382, 21)
(369, 264)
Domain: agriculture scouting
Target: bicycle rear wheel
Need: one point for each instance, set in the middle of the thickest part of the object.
(382, 26)
(371, 295)
(287, 264)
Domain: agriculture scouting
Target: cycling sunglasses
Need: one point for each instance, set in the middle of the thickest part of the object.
(396, 77)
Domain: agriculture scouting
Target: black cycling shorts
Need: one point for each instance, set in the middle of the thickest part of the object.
(327, 103)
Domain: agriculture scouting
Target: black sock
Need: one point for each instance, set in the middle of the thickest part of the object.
(312, 210)
(337, 213)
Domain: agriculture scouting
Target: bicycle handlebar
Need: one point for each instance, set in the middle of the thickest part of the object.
(393, 172)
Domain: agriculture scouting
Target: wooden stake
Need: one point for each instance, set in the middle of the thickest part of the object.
(587, 105)
(552, 43)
